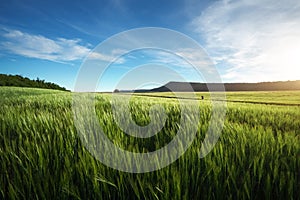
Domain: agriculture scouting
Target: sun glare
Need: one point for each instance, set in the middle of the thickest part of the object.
(284, 59)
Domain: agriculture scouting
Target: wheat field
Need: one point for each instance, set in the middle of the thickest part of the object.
(42, 157)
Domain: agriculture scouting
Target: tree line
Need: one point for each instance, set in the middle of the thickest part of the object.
(19, 81)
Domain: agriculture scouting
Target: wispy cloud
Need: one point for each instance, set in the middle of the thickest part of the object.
(183, 58)
(57, 50)
(114, 57)
(257, 40)
(41, 47)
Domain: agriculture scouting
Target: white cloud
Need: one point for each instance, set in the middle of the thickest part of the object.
(38, 46)
(199, 59)
(258, 40)
(113, 58)
(58, 50)
(182, 58)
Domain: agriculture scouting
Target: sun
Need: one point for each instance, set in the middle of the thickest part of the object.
(284, 59)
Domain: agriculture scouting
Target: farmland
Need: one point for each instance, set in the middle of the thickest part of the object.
(42, 157)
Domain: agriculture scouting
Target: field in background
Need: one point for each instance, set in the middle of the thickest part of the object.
(41, 155)
(263, 97)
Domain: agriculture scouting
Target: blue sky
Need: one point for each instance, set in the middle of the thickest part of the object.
(249, 41)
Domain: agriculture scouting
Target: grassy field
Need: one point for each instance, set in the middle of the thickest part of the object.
(42, 157)
(263, 97)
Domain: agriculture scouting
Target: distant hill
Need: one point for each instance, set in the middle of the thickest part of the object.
(19, 81)
(202, 87)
